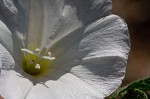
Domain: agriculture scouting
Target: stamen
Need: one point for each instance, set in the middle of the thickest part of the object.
(43, 51)
(49, 53)
(49, 58)
(37, 50)
(36, 62)
(37, 66)
(26, 50)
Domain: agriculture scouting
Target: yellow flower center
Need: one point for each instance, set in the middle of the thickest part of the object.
(37, 62)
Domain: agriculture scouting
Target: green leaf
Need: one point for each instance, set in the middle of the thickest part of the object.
(143, 84)
(135, 94)
(135, 89)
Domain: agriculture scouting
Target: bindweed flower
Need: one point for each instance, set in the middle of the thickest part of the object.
(61, 49)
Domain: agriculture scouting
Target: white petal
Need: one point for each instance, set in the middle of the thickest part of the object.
(13, 26)
(96, 64)
(99, 55)
(67, 86)
(6, 60)
(6, 37)
(7, 41)
(14, 16)
(12, 84)
(51, 19)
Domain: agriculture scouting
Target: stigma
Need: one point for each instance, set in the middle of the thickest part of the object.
(37, 62)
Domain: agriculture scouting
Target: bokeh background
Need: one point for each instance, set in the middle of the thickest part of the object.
(137, 15)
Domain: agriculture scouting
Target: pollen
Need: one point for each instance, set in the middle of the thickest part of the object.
(37, 62)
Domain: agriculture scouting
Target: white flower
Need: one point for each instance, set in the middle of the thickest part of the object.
(83, 46)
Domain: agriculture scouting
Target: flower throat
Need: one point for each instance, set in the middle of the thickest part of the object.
(36, 63)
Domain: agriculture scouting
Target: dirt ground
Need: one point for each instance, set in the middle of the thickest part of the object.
(137, 15)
